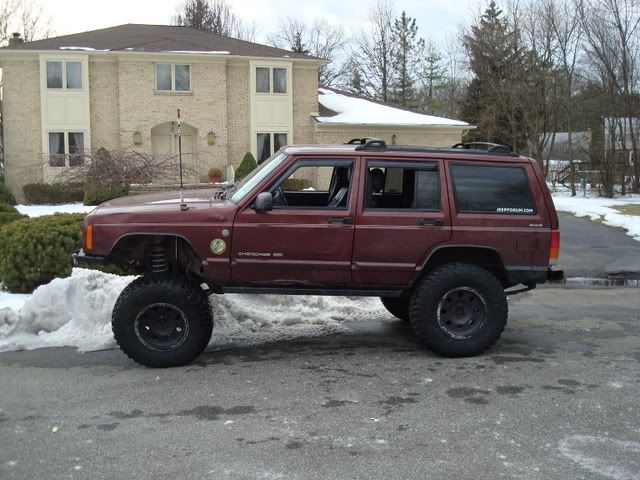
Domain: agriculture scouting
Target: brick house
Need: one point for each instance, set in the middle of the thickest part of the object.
(119, 88)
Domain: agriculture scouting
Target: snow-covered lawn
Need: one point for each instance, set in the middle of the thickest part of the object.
(76, 311)
(601, 209)
(40, 210)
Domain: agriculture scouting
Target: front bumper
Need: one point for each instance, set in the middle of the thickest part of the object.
(79, 258)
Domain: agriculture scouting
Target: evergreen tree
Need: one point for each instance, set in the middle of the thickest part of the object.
(433, 77)
(406, 48)
(493, 100)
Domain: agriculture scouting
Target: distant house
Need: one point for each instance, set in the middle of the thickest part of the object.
(119, 88)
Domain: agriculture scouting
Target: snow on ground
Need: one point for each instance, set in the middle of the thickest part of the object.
(76, 311)
(600, 208)
(40, 210)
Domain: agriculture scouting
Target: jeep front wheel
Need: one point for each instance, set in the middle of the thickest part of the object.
(458, 310)
(162, 322)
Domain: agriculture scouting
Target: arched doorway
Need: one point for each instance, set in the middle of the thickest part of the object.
(164, 141)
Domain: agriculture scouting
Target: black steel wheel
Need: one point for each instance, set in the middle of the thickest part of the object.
(458, 310)
(162, 322)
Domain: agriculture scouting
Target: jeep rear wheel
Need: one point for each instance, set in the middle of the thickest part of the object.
(162, 322)
(397, 306)
(458, 310)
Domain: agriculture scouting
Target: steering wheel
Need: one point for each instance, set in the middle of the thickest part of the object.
(279, 200)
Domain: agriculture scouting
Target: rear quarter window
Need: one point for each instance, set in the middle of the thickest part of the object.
(492, 189)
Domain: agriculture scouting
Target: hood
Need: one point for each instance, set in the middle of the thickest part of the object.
(164, 206)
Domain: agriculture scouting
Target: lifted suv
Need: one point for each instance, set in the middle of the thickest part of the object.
(437, 234)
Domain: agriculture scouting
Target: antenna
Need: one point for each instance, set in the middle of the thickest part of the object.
(183, 206)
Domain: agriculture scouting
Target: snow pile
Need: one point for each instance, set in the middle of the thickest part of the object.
(598, 208)
(76, 311)
(85, 49)
(359, 111)
(40, 210)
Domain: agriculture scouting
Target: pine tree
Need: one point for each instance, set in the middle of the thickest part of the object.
(406, 47)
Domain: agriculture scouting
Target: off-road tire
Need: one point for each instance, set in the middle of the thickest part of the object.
(397, 306)
(181, 297)
(461, 286)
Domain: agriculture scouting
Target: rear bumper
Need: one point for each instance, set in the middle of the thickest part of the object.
(533, 275)
(80, 258)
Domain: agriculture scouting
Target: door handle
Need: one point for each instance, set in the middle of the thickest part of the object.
(426, 221)
(343, 220)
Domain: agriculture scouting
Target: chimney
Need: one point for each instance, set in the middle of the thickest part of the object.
(15, 39)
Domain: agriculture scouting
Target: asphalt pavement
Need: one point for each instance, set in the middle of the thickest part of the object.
(557, 397)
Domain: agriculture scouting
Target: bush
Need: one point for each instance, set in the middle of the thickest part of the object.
(34, 251)
(247, 166)
(8, 214)
(43, 193)
(5, 195)
(95, 195)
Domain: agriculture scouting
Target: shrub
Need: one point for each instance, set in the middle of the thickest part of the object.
(8, 214)
(247, 166)
(42, 193)
(95, 195)
(5, 195)
(34, 251)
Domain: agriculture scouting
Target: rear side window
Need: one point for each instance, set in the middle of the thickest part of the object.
(402, 186)
(490, 189)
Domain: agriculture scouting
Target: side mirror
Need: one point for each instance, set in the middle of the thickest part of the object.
(264, 202)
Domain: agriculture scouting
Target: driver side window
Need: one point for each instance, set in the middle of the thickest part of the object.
(314, 185)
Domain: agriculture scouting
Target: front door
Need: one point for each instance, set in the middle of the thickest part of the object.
(307, 239)
(402, 214)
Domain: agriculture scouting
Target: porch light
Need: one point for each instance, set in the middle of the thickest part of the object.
(211, 138)
(137, 138)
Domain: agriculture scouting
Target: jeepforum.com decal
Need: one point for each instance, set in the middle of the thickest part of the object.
(514, 210)
(260, 254)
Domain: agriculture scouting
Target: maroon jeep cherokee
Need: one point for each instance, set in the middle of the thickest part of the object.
(437, 234)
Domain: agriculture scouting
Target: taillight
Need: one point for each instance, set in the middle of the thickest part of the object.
(554, 247)
(88, 238)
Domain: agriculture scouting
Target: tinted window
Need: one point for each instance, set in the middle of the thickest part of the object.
(492, 189)
(402, 186)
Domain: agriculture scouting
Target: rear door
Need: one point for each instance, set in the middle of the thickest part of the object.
(307, 239)
(402, 214)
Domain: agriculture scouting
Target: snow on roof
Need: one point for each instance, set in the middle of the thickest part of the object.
(199, 52)
(84, 49)
(359, 111)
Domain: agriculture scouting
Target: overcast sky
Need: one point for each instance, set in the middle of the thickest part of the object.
(437, 19)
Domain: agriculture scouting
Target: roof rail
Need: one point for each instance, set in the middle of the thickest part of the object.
(371, 144)
(487, 146)
(362, 141)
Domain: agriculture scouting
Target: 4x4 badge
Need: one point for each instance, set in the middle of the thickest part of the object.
(218, 246)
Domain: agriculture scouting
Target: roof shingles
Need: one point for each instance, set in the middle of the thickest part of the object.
(158, 38)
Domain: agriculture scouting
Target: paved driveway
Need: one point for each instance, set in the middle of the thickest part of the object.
(589, 249)
(557, 397)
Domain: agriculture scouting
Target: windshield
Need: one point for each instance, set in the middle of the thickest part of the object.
(255, 177)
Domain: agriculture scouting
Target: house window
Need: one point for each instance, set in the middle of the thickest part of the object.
(70, 72)
(271, 80)
(265, 141)
(173, 77)
(63, 145)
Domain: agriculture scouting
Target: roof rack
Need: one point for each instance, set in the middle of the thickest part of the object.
(479, 148)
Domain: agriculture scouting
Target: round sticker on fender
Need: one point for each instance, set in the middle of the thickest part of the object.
(218, 246)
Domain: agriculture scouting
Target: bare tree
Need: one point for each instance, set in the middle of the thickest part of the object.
(215, 16)
(611, 29)
(373, 52)
(320, 39)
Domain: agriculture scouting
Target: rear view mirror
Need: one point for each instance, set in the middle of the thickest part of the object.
(264, 202)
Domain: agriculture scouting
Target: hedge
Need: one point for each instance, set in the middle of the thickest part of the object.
(97, 195)
(34, 251)
(247, 166)
(5, 195)
(44, 193)
(8, 214)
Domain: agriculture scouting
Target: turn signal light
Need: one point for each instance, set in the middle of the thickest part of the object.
(554, 247)
(88, 238)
